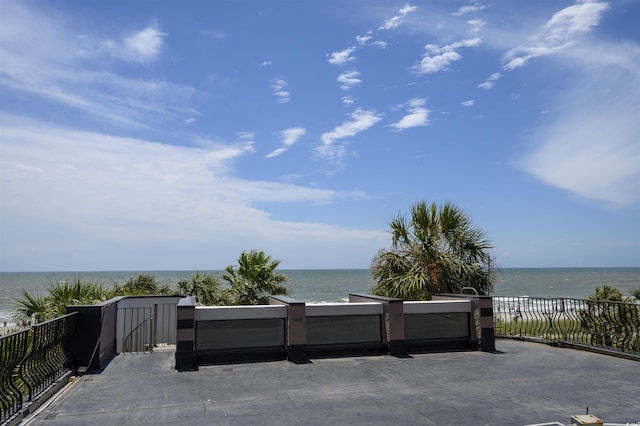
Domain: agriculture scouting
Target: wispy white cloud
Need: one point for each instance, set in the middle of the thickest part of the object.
(590, 147)
(417, 115)
(467, 103)
(279, 86)
(366, 39)
(289, 138)
(476, 25)
(489, 83)
(349, 79)
(363, 39)
(148, 199)
(264, 64)
(475, 7)
(54, 64)
(563, 30)
(379, 43)
(144, 45)
(342, 57)
(360, 120)
(439, 58)
(395, 21)
(138, 46)
(348, 100)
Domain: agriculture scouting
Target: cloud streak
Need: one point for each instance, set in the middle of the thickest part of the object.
(54, 65)
(475, 7)
(349, 79)
(397, 20)
(418, 115)
(563, 30)
(342, 57)
(591, 147)
(279, 87)
(439, 58)
(143, 46)
(108, 196)
(360, 120)
(489, 83)
(289, 138)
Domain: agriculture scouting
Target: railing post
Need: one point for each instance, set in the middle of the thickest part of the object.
(487, 331)
(482, 325)
(296, 327)
(186, 355)
(393, 312)
(154, 343)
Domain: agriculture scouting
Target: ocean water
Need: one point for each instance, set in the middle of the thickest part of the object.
(335, 285)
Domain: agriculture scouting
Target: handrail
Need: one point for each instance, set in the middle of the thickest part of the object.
(140, 341)
(31, 361)
(594, 323)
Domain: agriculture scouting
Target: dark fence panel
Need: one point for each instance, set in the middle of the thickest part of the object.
(13, 349)
(602, 324)
(32, 361)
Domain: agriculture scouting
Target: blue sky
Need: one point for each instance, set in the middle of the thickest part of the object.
(163, 135)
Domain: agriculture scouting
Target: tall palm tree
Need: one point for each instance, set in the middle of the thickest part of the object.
(255, 278)
(434, 250)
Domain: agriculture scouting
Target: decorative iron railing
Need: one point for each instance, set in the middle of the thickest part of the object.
(602, 324)
(32, 361)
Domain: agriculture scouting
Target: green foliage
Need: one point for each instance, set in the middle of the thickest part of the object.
(635, 293)
(207, 288)
(59, 295)
(434, 250)
(612, 323)
(255, 279)
(144, 284)
(67, 293)
(608, 293)
(611, 317)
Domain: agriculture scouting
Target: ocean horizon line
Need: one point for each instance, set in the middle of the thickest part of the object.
(291, 269)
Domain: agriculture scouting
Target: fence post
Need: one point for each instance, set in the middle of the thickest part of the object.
(393, 312)
(487, 331)
(186, 355)
(296, 327)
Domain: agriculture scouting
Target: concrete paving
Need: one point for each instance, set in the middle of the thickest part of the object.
(523, 383)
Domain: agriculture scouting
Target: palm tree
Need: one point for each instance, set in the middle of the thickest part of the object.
(207, 288)
(59, 295)
(144, 284)
(255, 279)
(607, 293)
(435, 250)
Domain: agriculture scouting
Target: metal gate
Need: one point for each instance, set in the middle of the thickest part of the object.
(144, 324)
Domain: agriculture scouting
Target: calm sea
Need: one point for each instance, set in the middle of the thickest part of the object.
(335, 285)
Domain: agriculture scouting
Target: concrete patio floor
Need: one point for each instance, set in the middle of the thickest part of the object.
(522, 383)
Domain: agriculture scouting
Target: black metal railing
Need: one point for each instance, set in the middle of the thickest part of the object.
(603, 324)
(32, 361)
